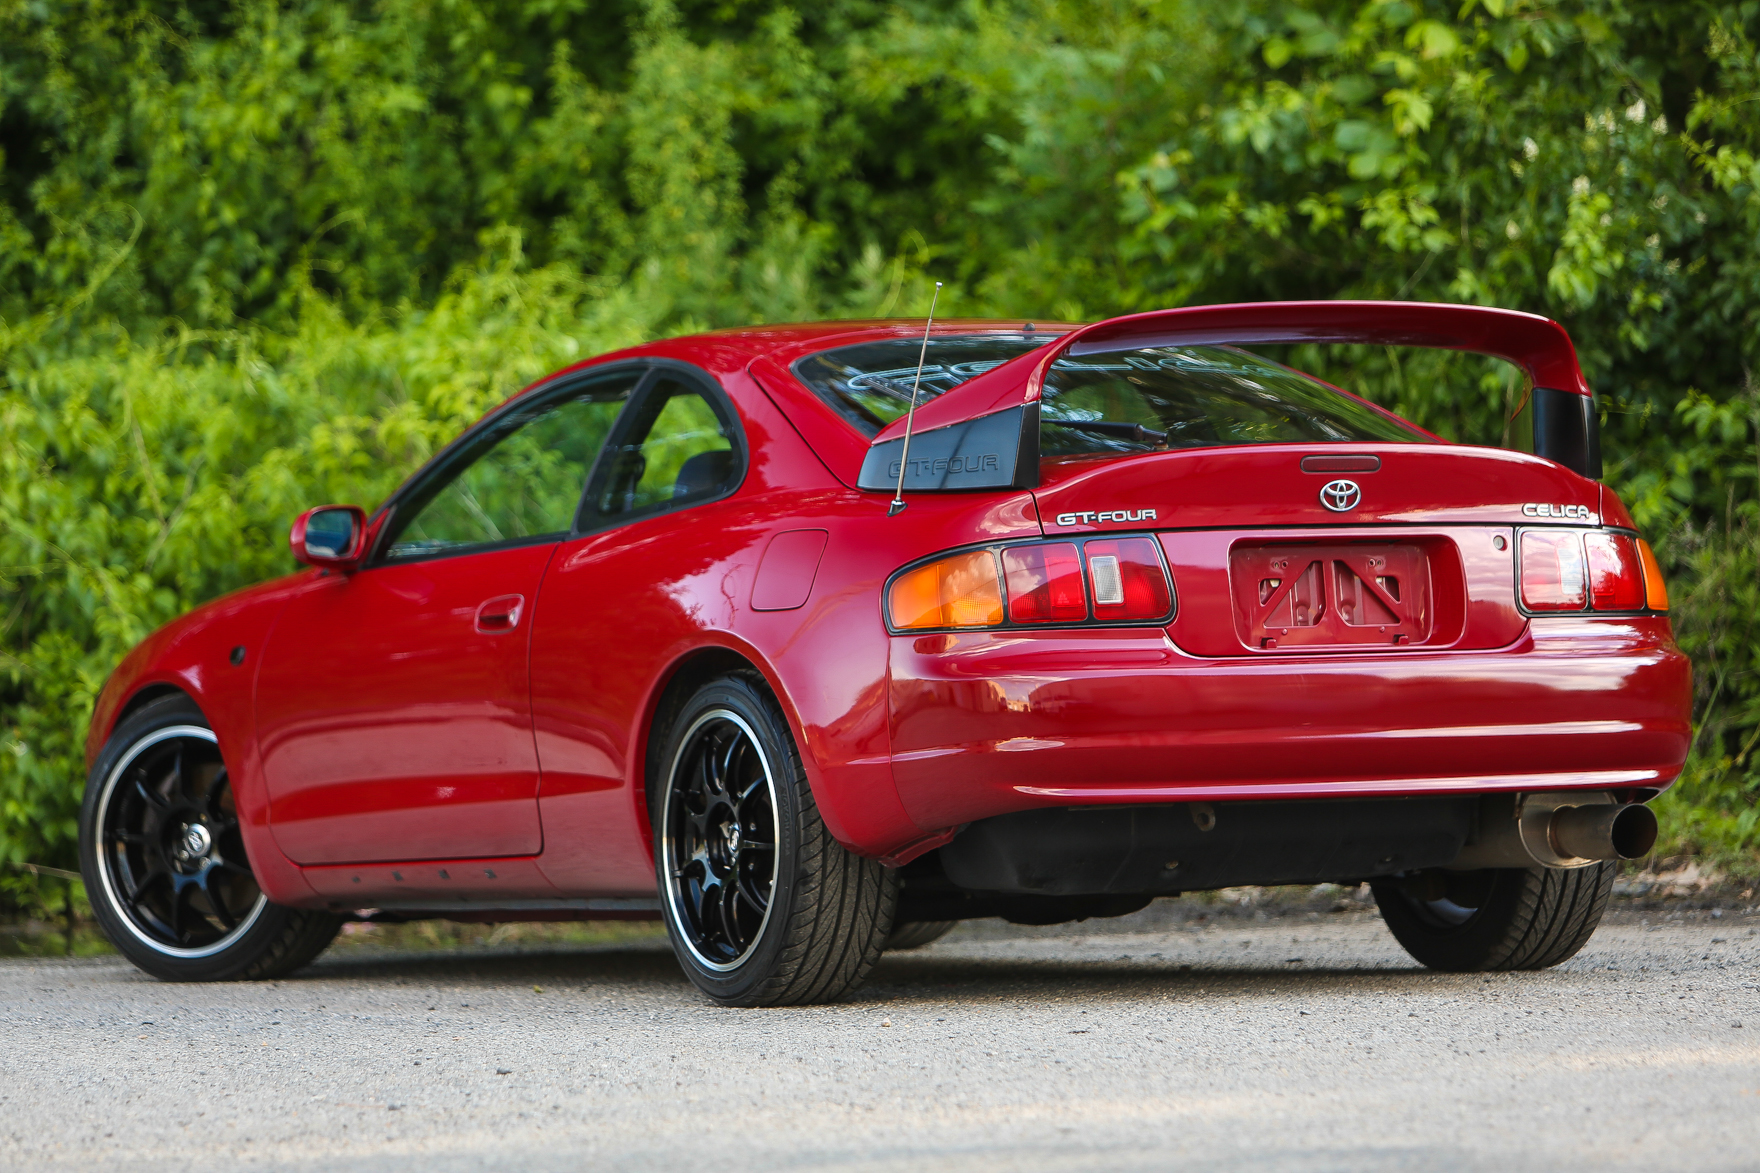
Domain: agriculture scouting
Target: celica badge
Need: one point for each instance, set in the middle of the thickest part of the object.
(1340, 496)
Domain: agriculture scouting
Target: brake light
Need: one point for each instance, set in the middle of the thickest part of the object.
(1616, 581)
(1655, 590)
(957, 591)
(1031, 583)
(1600, 570)
(1127, 578)
(1044, 583)
(1553, 577)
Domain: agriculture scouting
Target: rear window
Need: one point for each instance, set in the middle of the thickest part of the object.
(1115, 402)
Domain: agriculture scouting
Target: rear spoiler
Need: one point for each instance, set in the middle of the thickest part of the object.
(984, 434)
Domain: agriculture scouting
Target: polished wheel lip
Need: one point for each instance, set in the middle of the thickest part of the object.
(102, 852)
(668, 864)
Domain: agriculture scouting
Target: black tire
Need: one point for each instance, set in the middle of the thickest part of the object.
(164, 863)
(1497, 918)
(917, 933)
(766, 909)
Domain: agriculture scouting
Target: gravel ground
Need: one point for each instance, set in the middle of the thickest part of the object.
(1301, 1040)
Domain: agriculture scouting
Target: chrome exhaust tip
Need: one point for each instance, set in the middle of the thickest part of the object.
(1557, 829)
(1603, 831)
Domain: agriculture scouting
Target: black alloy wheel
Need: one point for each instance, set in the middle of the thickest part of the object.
(763, 906)
(164, 861)
(720, 839)
(170, 853)
(1495, 918)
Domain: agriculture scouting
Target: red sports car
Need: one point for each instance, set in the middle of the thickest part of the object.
(721, 630)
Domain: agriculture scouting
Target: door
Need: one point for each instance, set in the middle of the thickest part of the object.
(393, 704)
(618, 600)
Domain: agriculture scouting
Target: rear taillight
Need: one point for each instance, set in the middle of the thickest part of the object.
(1655, 590)
(1044, 583)
(958, 591)
(1098, 580)
(1574, 570)
(1615, 581)
(1127, 578)
(1553, 578)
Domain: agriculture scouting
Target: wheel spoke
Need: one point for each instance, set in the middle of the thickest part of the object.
(726, 904)
(174, 921)
(153, 798)
(217, 791)
(146, 884)
(216, 901)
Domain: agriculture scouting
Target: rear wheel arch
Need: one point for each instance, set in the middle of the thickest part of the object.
(683, 679)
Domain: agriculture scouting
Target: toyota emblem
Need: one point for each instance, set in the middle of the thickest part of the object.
(1340, 496)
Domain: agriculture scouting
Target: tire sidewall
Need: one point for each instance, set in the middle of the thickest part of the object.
(238, 956)
(738, 696)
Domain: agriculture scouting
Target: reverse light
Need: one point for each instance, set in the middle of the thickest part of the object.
(1034, 583)
(1553, 575)
(957, 591)
(1616, 582)
(1128, 580)
(1655, 590)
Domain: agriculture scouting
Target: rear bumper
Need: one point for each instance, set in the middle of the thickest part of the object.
(986, 724)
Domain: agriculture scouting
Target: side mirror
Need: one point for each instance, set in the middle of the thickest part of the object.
(330, 535)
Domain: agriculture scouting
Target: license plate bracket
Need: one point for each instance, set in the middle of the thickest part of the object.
(1309, 596)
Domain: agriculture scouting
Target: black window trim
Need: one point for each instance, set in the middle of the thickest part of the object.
(585, 521)
(461, 449)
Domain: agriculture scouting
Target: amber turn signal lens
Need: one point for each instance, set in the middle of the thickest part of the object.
(960, 591)
(1655, 590)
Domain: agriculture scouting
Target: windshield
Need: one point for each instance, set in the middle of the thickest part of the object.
(1115, 402)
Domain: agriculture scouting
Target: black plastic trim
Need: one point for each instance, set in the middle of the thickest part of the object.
(1567, 429)
(995, 451)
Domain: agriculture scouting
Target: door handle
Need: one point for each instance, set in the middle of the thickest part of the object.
(500, 614)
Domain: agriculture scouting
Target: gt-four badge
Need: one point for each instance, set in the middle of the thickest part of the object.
(1088, 517)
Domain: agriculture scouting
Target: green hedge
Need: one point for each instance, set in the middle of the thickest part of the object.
(255, 256)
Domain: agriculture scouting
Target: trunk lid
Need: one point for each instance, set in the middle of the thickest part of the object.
(1283, 549)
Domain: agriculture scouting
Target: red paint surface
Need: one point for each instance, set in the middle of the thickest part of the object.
(392, 724)
(494, 713)
(786, 572)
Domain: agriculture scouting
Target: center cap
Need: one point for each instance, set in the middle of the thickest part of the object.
(196, 840)
(732, 833)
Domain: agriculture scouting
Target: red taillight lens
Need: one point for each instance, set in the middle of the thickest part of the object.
(1127, 579)
(1044, 583)
(960, 591)
(1616, 579)
(1553, 577)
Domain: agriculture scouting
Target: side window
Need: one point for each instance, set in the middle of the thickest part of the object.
(677, 449)
(523, 479)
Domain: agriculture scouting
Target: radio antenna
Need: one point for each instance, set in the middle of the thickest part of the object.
(910, 414)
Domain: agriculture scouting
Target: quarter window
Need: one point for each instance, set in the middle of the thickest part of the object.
(678, 449)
